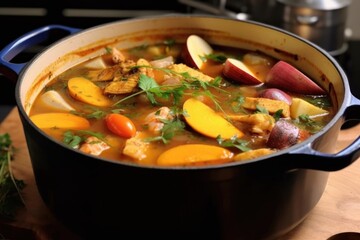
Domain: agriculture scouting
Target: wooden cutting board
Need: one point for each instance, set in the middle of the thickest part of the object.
(338, 210)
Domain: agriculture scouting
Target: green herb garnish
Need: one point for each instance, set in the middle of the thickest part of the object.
(305, 122)
(233, 142)
(168, 131)
(74, 140)
(220, 58)
(10, 187)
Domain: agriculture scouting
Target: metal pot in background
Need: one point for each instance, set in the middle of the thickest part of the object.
(321, 21)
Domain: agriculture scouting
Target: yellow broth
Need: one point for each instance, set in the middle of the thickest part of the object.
(226, 101)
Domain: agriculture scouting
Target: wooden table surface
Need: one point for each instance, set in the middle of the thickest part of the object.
(338, 210)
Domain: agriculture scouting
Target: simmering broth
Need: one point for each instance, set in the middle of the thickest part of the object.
(175, 103)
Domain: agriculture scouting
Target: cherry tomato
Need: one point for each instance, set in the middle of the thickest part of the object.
(120, 125)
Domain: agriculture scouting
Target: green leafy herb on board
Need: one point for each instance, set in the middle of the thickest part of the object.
(10, 187)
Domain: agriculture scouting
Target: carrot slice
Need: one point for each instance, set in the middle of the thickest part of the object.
(194, 154)
(60, 120)
(86, 91)
(206, 121)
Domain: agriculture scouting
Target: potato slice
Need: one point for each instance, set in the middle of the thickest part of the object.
(86, 91)
(253, 154)
(300, 106)
(270, 104)
(194, 154)
(53, 99)
(207, 122)
(60, 120)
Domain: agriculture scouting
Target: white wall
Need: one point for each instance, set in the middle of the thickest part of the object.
(353, 19)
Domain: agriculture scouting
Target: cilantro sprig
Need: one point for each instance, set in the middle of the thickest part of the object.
(168, 131)
(233, 142)
(152, 90)
(304, 121)
(74, 139)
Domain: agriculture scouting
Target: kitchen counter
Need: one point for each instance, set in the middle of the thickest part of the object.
(338, 210)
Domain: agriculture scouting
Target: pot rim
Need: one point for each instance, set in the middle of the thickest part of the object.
(339, 114)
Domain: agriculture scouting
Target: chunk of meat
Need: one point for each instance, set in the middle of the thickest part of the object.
(253, 154)
(127, 82)
(146, 70)
(115, 72)
(136, 147)
(122, 87)
(182, 68)
(260, 123)
(270, 104)
(94, 146)
(117, 56)
(154, 120)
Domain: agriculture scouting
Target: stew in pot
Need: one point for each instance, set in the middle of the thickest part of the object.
(181, 103)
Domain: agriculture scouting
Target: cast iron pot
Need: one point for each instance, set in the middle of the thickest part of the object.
(259, 199)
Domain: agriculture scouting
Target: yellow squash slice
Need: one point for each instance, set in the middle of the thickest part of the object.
(86, 91)
(60, 120)
(207, 122)
(194, 154)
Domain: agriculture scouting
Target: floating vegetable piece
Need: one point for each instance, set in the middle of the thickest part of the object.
(253, 154)
(207, 122)
(163, 62)
(60, 120)
(96, 63)
(284, 76)
(120, 125)
(194, 154)
(276, 94)
(269, 104)
(239, 72)
(284, 134)
(86, 91)
(55, 100)
(300, 107)
(195, 51)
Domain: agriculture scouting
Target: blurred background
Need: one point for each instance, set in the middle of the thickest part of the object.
(332, 24)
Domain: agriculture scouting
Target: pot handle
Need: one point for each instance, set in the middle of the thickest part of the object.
(308, 158)
(29, 39)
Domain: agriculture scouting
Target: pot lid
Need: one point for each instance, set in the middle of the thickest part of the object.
(317, 4)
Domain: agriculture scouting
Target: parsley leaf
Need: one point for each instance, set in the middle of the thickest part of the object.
(260, 109)
(233, 142)
(74, 140)
(277, 114)
(169, 130)
(304, 121)
(220, 58)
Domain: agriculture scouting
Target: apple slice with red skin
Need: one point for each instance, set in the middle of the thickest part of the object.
(195, 49)
(286, 77)
(237, 71)
(276, 94)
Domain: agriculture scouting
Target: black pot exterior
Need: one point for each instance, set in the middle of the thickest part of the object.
(99, 198)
